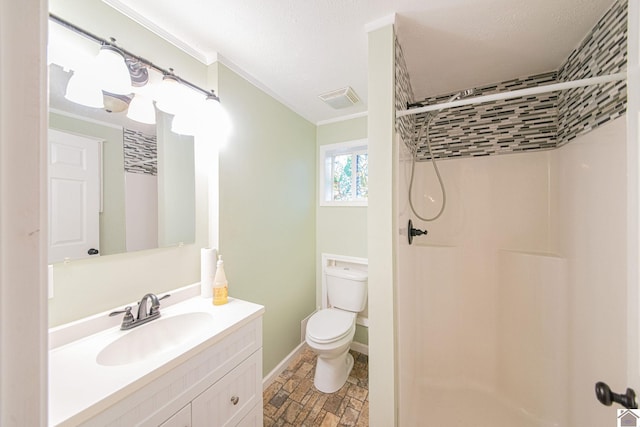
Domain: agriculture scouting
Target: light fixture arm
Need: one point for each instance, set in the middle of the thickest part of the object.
(209, 93)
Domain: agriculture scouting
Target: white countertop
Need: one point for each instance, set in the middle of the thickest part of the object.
(79, 387)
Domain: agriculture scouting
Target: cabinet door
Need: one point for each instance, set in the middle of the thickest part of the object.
(229, 400)
(254, 419)
(182, 418)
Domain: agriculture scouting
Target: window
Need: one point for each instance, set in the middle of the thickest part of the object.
(344, 174)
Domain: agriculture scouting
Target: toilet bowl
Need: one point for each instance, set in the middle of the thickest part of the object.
(330, 331)
(329, 335)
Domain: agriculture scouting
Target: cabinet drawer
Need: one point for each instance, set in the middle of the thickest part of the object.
(181, 419)
(228, 401)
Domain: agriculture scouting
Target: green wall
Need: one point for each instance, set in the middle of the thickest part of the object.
(267, 211)
(340, 230)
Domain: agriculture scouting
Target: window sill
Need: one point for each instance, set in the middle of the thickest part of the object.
(345, 204)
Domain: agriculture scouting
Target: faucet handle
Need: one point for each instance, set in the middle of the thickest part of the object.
(156, 308)
(128, 317)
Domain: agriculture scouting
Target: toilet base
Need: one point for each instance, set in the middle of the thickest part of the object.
(331, 374)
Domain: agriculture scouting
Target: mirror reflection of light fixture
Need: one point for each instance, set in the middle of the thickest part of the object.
(113, 71)
(82, 89)
(141, 109)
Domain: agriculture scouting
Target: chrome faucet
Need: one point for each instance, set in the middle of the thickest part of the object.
(142, 307)
(144, 315)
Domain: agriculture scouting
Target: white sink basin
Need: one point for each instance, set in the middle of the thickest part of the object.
(153, 338)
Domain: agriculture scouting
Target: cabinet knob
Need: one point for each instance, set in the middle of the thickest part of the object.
(235, 400)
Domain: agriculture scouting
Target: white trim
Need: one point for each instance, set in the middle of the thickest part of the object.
(85, 119)
(345, 204)
(363, 321)
(280, 367)
(343, 118)
(515, 93)
(203, 57)
(360, 348)
(380, 23)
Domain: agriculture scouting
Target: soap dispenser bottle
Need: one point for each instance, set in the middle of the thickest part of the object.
(220, 287)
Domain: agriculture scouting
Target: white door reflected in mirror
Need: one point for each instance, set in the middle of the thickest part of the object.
(74, 196)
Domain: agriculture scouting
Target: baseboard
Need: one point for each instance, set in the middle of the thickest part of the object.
(360, 348)
(271, 376)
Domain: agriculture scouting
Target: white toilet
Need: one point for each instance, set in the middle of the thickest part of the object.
(330, 330)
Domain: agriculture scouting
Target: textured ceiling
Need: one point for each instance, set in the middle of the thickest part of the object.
(296, 50)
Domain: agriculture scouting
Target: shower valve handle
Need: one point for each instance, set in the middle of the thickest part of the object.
(607, 397)
(413, 232)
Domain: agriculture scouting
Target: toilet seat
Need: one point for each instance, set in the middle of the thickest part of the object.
(330, 325)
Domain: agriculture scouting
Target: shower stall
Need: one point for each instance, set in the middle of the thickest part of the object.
(513, 305)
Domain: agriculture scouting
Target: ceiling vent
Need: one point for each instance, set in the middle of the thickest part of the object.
(341, 98)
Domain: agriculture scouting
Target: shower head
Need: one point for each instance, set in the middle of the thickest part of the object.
(460, 95)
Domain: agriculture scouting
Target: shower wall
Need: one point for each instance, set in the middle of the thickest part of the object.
(506, 294)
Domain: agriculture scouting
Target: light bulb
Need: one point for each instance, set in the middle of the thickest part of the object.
(113, 71)
(141, 110)
(214, 120)
(173, 97)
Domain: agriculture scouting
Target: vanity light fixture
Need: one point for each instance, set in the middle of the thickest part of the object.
(214, 120)
(113, 73)
(174, 96)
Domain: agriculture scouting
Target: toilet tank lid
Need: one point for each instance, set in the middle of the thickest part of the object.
(346, 273)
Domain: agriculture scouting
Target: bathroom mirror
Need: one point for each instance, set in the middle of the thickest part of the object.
(143, 176)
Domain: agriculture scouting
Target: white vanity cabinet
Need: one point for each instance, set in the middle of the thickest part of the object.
(214, 383)
(235, 400)
(209, 384)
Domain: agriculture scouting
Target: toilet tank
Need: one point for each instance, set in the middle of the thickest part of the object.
(346, 288)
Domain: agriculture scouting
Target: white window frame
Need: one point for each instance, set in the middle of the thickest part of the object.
(359, 146)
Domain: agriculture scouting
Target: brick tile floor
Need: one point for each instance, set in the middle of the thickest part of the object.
(292, 400)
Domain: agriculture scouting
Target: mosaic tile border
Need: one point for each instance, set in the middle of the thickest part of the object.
(140, 152)
(404, 94)
(514, 125)
(603, 51)
(539, 122)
